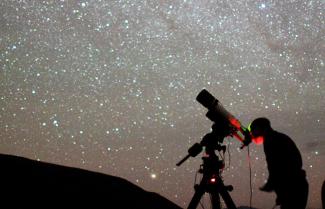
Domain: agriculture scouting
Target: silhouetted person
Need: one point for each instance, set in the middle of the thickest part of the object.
(286, 176)
(323, 195)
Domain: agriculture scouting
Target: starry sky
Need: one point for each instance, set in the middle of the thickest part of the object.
(110, 86)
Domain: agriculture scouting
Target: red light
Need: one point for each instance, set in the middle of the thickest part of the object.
(213, 180)
(258, 140)
(235, 123)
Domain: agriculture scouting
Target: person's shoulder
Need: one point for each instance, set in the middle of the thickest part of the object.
(281, 136)
(279, 133)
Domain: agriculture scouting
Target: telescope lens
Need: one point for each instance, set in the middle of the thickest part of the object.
(206, 99)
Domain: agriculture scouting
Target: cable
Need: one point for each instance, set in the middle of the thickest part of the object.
(222, 156)
(229, 155)
(250, 178)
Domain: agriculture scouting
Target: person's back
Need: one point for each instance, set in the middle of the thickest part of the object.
(282, 155)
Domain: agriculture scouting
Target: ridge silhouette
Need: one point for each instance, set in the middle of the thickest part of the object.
(27, 183)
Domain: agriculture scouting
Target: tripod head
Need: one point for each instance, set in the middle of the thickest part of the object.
(211, 141)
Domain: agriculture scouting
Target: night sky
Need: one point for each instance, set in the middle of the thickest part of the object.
(110, 86)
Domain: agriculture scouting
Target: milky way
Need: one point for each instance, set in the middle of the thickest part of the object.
(110, 86)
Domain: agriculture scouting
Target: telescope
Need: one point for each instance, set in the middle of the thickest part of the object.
(225, 124)
(228, 124)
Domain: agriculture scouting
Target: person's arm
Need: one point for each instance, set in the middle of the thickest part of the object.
(273, 153)
(271, 167)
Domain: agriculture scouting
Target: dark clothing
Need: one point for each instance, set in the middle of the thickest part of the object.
(286, 176)
(323, 195)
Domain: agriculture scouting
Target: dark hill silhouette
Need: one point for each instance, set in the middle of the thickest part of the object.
(27, 183)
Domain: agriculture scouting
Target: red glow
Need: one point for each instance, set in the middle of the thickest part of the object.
(213, 180)
(258, 140)
(235, 123)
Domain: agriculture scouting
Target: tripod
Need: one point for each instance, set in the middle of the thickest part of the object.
(212, 183)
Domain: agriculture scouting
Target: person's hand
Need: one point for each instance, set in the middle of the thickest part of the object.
(266, 188)
(247, 140)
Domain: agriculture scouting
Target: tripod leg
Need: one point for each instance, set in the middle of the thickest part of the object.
(199, 191)
(227, 198)
(215, 201)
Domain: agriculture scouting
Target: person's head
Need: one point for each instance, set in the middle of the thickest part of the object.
(260, 127)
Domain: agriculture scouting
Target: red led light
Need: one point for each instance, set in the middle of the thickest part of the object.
(213, 180)
(258, 140)
(235, 123)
